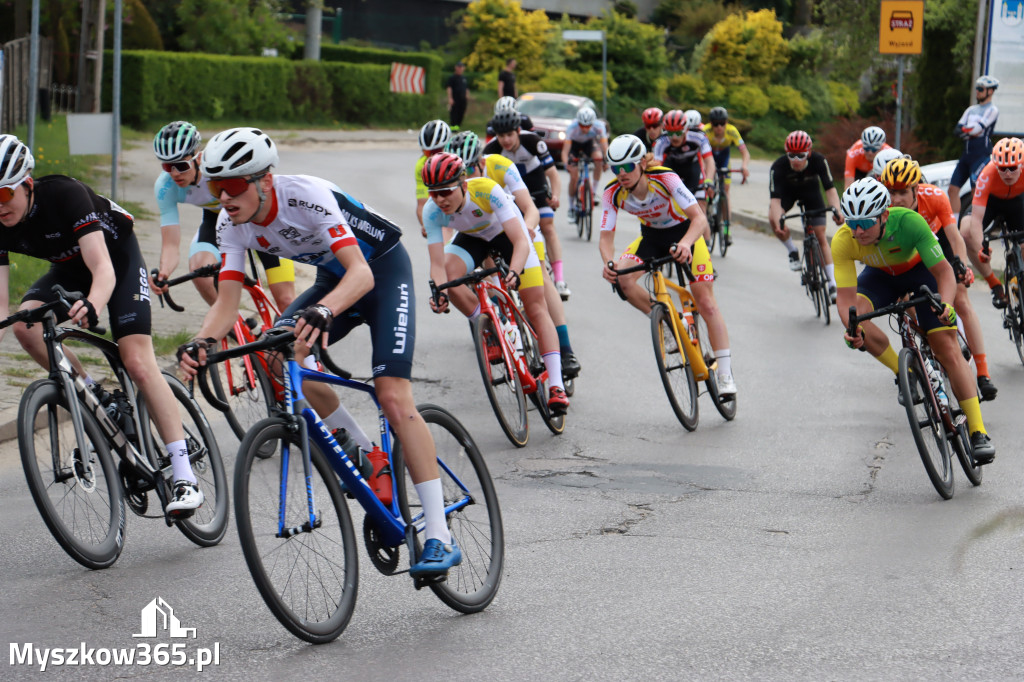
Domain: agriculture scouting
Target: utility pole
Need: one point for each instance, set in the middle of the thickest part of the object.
(90, 54)
(314, 19)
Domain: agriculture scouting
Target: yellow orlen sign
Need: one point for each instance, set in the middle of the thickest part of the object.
(901, 27)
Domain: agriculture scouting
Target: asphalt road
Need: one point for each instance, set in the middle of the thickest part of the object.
(801, 541)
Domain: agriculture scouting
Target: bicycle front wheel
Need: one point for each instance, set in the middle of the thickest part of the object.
(960, 441)
(75, 486)
(307, 574)
(587, 211)
(474, 516)
(676, 373)
(723, 217)
(925, 422)
(725, 407)
(809, 276)
(501, 381)
(1013, 315)
(824, 300)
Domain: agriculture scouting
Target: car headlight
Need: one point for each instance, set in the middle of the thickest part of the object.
(561, 135)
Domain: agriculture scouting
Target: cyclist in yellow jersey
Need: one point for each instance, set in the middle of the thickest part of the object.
(901, 253)
(466, 145)
(433, 137)
(723, 136)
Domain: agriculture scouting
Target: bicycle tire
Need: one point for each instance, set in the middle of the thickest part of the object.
(95, 536)
(723, 215)
(726, 408)
(1013, 314)
(676, 373)
(208, 525)
(713, 227)
(501, 382)
(310, 578)
(249, 399)
(476, 528)
(588, 211)
(823, 296)
(535, 364)
(960, 441)
(807, 277)
(931, 441)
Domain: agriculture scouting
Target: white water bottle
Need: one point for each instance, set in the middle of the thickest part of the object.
(936, 380)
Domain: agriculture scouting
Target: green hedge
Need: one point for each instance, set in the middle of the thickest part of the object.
(167, 85)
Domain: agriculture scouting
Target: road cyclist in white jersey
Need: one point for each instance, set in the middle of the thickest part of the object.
(585, 136)
(669, 216)
(467, 146)
(363, 275)
(176, 146)
(485, 219)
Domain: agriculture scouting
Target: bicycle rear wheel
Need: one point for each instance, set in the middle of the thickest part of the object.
(587, 211)
(535, 364)
(722, 216)
(960, 441)
(725, 406)
(676, 373)
(308, 576)
(714, 227)
(501, 381)
(475, 524)
(809, 277)
(825, 301)
(925, 422)
(77, 492)
(244, 385)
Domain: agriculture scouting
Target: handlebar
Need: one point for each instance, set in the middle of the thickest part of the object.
(924, 295)
(813, 213)
(478, 275)
(653, 264)
(210, 270)
(65, 299)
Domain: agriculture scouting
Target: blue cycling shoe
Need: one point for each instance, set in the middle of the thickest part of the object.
(436, 558)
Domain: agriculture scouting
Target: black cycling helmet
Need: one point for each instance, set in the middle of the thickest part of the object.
(506, 122)
(718, 115)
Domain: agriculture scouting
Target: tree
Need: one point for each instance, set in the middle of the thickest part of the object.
(636, 54)
(688, 21)
(747, 48)
(234, 27)
(499, 30)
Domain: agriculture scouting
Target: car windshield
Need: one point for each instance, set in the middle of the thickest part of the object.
(547, 108)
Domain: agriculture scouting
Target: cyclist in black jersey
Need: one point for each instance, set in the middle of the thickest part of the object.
(82, 235)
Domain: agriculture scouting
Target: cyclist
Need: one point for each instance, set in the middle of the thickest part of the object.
(685, 150)
(902, 177)
(652, 129)
(533, 160)
(61, 220)
(433, 136)
(908, 257)
(998, 192)
(861, 156)
(669, 216)
(581, 135)
(507, 104)
(794, 177)
(485, 220)
(975, 127)
(724, 136)
(175, 145)
(363, 275)
(882, 158)
(466, 145)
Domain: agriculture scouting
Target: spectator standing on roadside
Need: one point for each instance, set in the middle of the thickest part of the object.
(507, 80)
(975, 128)
(458, 90)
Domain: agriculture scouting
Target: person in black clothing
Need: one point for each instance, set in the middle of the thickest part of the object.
(508, 104)
(458, 90)
(507, 80)
(794, 177)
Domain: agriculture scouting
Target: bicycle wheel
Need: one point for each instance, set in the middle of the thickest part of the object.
(207, 526)
(244, 385)
(78, 493)
(960, 441)
(587, 211)
(577, 209)
(714, 227)
(722, 216)
(308, 577)
(824, 300)
(1013, 314)
(676, 373)
(808, 277)
(725, 407)
(535, 364)
(925, 423)
(501, 381)
(476, 527)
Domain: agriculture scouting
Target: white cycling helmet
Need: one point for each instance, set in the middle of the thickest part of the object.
(883, 157)
(692, 117)
(16, 162)
(873, 136)
(434, 135)
(506, 103)
(865, 198)
(986, 82)
(586, 116)
(237, 152)
(626, 149)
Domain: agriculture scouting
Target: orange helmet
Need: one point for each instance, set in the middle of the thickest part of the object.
(1009, 151)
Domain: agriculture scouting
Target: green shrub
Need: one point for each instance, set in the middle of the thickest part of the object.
(788, 101)
(749, 100)
(685, 87)
(844, 98)
(768, 134)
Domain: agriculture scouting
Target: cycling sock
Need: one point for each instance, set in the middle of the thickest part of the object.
(556, 270)
(476, 312)
(992, 280)
(89, 381)
(180, 466)
(830, 270)
(342, 419)
(890, 359)
(972, 408)
(790, 245)
(724, 358)
(432, 498)
(553, 363)
(563, 336)
(981, 360)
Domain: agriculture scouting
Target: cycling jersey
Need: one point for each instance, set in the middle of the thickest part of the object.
(503, 172)
(730, 138)
(575, 133)
(663, 206)
(906, 240)
(532, 159)
(976, 126)
(421, 189)
(933, 205)
(790, 186)
(169, 195)
(857, 164)
(641, 133)
(685, 159)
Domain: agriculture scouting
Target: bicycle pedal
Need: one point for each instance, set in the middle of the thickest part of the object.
(420, 583)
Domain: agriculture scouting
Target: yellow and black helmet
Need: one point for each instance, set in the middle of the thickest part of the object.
(901, 174)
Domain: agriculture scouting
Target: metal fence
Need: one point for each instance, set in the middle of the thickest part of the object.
(15, 87)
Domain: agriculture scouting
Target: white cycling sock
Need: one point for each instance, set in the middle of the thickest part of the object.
(830, 270)
(790, 245)
(432, 498)
(724, 358)
(180, 465)
(553, 363)
(341, 419)
(475, 314)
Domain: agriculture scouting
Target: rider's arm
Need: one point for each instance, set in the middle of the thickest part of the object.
(556, 185)
(5, 296)
(946, 280)
(521, 244)
(745, 153)
(224, 311)
(355, 283)
(97, 259)
(832, 197)
(709, 166)
(850, 171)
(531, 216)
(774, 213)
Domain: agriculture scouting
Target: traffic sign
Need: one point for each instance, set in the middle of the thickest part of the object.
(902, 27)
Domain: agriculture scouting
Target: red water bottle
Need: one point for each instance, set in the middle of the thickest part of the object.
(380, 479)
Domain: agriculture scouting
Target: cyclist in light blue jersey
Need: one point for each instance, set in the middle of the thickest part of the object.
(582, 134)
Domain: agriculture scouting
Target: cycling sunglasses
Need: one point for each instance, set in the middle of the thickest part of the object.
(180, 166)
(653, 126)
(1002, 169)
(443, 191)
(675, 133)
(871, 149)
(233, 186)
(796, 156)
(980, 88)
(862, 224)
(7, 193)
(718, 125)
(623, 167)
